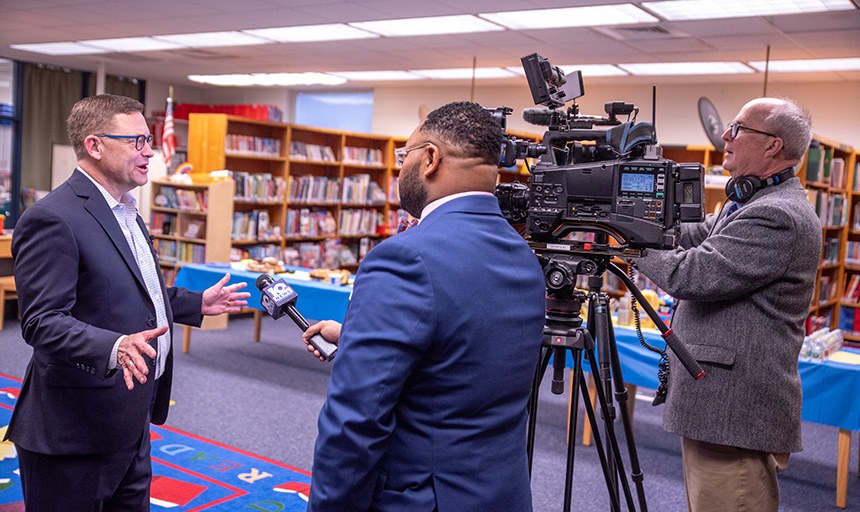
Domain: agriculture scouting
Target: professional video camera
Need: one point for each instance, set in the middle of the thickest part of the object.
(618, 184)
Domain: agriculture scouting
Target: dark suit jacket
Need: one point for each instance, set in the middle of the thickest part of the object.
(79, 289)
(426, 405)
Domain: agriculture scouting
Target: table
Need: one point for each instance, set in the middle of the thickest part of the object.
(317, 300)
(828, 396)
(825, 399)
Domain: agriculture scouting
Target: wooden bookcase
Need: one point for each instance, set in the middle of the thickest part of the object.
(191, 224)
(332, 186)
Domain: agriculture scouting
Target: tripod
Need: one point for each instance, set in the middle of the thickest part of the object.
(563, 332)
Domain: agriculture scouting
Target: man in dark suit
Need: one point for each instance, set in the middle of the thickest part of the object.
(745, 279)
(93, 302)
(426, 406)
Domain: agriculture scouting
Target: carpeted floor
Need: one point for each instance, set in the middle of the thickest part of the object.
(264, 398)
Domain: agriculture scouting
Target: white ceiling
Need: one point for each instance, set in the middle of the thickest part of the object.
(806, 36)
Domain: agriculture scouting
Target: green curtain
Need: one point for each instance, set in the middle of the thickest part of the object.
(49, 95)
(118, 85)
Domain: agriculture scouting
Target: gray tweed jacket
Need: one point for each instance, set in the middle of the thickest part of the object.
(744, 293)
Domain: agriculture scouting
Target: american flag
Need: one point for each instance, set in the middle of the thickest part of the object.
(168, 138)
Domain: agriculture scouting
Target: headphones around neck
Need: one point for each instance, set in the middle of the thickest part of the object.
(742, 188)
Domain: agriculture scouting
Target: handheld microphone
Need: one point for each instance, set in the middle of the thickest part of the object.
(278, 299)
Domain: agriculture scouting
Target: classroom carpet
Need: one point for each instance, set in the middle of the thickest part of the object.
(190, 473)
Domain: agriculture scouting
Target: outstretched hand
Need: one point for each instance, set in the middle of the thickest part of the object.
(219, 299)
(129, 355)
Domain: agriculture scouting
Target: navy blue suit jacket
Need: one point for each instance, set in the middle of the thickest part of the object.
(426, 406)
(79, 289)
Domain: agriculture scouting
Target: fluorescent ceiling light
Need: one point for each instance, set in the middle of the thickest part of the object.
(811, 65)
(67, 48)
(460, 73)
(621, 14)
(131, 44)
(268, 79)
(676, 10)
(587, 70)
(687, 68)
(458, 24)
(376, 75)
(209, 39)
(305, 33)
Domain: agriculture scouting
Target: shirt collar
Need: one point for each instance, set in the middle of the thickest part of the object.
(128, 198)
(442, 200)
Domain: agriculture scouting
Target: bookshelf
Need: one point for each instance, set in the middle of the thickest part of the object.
(314, 197)
(191, 224)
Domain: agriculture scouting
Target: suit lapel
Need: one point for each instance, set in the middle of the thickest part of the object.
(96, 205)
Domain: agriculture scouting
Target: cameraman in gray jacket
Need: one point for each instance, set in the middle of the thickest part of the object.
(744, 279)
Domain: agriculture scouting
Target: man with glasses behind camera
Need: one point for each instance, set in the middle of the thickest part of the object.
(426, 406)
(93, 303)
(745, 280)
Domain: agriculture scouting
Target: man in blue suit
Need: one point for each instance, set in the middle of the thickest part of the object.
(93, 303)
(426, 406)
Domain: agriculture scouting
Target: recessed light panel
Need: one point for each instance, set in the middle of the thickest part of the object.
(687, 68)
(464, 73)
(677, 10)
(428, 26)
(596, 15)
(268, 79)
(67, 48)
(210, 39)
(811, 65)
(358, 76)
(306, 33)
(131, 44)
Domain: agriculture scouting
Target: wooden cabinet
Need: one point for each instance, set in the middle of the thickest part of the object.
(191, 224)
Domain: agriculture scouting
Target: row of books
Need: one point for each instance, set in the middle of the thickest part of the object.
(359, 189)
(849, 320)
(253, 146)
(357, 222)
(832, 209)
(259, 187)
(254, 225)
(314, 189)
(852, 253)
(363, 156)
(162, 223)
(394, 189)
(830, 251)
(255, 252)
(306, 222)
(822, 167)
(182, 199)
(171, 251)
(852, 290)
(313, 152)
(826, 290)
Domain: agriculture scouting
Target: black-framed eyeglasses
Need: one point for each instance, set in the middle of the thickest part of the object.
(139, 140)
(400, 153)
(734, 127)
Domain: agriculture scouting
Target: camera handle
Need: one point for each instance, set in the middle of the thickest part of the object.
(672, 340)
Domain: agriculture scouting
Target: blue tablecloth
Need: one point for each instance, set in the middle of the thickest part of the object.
(317, 300)
(829, 387)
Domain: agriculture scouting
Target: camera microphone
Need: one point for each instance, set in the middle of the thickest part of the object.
(539, 116)
(278, 299)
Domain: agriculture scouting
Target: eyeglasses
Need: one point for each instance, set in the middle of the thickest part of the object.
(734, 127)
(139, 140)
(400, 153)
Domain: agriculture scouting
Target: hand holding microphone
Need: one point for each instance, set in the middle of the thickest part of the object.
(279, 299)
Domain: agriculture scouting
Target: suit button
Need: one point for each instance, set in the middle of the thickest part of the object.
(150, 322)
(93, 371)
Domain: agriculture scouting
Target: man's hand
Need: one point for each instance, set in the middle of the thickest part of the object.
(224, 299)
(129, 355)
(328, 329)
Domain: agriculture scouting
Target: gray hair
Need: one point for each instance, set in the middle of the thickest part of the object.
(793, 124)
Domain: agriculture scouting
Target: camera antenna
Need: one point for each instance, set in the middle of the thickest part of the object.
(653, 114)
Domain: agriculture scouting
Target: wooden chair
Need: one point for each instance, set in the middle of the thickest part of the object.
(7, 291)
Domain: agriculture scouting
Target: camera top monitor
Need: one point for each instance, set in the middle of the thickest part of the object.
(548, 83)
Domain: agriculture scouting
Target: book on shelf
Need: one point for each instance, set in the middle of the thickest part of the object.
(837, 173)
(259, 187)
(162, 223)
(313, 189)
(251, 146)
(313, 152)
(814, 163)
(852, 289)
(363, 156)
(195, 229)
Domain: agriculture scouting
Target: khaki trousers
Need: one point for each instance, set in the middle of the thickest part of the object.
(722, 478)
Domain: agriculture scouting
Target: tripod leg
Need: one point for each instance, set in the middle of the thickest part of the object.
(533, 403)
(613, 441)
(598, 445)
